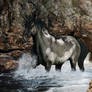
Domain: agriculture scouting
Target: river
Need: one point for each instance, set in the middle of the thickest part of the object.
(26, 79)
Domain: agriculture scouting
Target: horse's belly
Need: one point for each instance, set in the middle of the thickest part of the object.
(55, 57)
(65, 57)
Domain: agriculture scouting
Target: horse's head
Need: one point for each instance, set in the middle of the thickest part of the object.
(39, 27)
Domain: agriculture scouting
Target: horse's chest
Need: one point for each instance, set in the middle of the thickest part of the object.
(51, 56)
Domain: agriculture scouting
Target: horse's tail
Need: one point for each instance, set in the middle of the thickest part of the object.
(83, 54)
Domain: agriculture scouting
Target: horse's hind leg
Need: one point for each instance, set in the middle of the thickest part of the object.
(73, 64)
(58, 67)
(81, 64)
(83, 54)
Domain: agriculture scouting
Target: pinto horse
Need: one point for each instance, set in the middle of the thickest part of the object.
(52, 51)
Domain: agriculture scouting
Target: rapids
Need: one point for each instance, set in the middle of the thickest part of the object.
(27, 79)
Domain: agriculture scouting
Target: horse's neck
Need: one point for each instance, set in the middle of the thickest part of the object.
(42, 39)
(43, 35)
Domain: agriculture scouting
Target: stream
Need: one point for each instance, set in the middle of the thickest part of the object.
(27, 79)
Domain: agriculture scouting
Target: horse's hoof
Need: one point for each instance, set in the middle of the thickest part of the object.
(73, 69)
(83, 70)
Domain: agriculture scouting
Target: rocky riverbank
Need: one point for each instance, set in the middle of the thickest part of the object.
(64, 17)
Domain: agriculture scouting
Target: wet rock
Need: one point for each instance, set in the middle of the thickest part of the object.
(90, 87)
(15, 54)
(7, 63)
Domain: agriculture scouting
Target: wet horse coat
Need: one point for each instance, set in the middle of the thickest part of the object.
(53, 51)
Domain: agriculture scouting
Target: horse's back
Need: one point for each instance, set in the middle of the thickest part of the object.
(69, 44)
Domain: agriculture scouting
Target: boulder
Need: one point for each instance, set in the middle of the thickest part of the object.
(7, 63)
(90, 87)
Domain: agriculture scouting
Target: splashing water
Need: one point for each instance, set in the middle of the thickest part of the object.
(26, 64)
(38, 80)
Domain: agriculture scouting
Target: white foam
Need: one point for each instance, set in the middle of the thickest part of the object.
(87, 63)
(75, 88)
(26, 64)
(66, 77)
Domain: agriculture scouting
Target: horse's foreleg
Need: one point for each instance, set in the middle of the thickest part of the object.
(58, 67)
(73, 64)
(48, 66)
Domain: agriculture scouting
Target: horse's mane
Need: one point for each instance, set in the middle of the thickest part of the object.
(43, 25)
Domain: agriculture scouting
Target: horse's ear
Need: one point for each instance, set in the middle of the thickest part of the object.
(34, 30)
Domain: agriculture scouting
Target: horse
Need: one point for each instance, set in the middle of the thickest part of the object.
(55, 51)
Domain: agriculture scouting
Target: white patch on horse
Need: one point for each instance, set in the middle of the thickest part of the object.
(67, 54)
(48, 50)
(60, 41)
(51, 55)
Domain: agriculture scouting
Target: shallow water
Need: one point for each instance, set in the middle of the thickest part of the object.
(26, 79)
